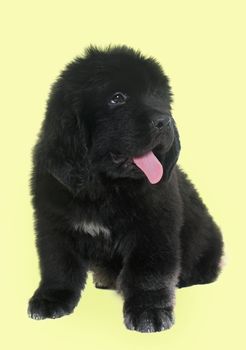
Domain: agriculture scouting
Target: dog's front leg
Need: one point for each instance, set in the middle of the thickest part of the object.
(63, 272)
(148, 282)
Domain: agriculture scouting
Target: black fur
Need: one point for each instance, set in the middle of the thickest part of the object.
(95, 210)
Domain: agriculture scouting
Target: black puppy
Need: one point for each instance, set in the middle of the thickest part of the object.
(108, 196)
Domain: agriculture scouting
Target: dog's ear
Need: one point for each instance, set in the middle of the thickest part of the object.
(62, 148)
(172, 155)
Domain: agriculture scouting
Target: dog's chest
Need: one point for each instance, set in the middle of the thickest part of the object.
(93, 228)
(105, 218)
(92, 219)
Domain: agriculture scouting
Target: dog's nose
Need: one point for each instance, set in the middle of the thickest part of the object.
(161, 122)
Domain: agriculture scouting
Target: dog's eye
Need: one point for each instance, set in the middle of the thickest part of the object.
(118, 98)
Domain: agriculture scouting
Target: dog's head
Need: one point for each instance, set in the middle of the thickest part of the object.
(110, 113)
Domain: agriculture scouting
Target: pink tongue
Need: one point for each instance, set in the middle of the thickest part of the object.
(151, 167)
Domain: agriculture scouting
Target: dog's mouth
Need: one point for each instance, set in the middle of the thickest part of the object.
(148, 163)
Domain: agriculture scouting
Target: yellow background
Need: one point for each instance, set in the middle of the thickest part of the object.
(201, 47)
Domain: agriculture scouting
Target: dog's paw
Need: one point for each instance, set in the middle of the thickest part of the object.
(149, 319)
(50, 303)
(98, 285)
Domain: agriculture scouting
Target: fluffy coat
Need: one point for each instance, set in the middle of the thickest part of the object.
(95, 210)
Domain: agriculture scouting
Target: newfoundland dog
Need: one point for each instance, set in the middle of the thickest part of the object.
(108, 196)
